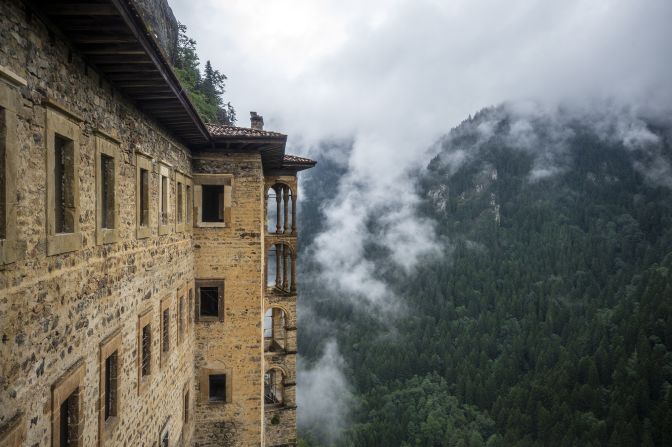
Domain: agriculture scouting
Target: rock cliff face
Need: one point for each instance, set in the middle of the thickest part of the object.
(161, 22)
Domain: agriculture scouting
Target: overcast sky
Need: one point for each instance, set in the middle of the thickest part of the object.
(416, 68)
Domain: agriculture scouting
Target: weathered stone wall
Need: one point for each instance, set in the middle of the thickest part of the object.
(57, 309)
(234, 254)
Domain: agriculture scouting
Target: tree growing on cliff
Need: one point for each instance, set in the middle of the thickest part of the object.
(206, 90)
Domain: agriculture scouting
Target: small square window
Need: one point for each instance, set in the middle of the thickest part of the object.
(213, 203)
(217, 388)
(215, 385)
(212, 200)
(210, 300)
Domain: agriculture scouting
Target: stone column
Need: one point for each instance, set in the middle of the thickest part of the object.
(285, 199)
(294, 213)
(277, 213)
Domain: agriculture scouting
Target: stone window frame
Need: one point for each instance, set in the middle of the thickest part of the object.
(165, 355)
(143, 161)
(189, 204)
(183, 316)
(13, 432)
(204, 385)
(144, 319)
(10, 103)
(71, 380)
(107, 145)
(164, 171)
(212, 179)
(183, 181)
(109, 345)
(220, 284)
(61, 122)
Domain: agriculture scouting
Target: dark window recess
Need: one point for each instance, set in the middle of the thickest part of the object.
(217, 387)
(180, 317)
(107, 191)
(144, 198)
(146, 350)
(165, 336)
(186, 407)
(3, 168)
(64, 196)
(180, 205)
(188, 194)
(213, 203)
(164, 200)
(111, 385)
(69, 415)
(165, 440)
(209, 301)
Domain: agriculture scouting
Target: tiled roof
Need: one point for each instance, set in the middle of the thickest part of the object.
(222, 130)
(294, 160)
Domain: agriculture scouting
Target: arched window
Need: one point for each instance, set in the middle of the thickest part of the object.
(281, 268)
(280, 209)
(275, 323)
(274, 387)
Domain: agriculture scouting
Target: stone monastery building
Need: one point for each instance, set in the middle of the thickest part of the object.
(147, 259)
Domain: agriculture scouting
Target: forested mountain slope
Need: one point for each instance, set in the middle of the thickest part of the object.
(548, 318)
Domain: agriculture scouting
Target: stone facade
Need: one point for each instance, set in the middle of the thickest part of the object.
(68, 302)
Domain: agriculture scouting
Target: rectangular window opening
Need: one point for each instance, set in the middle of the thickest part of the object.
(165, 336)
(107, 191)
(180, 204)
(69, 418)
(186, 407)
(164, 200)
(146, 350)
(217, 388)
(213, 203)
(144, 197)
(111, 364)
(209, 301)
(180, 319)
(189, 206)
(64, 196)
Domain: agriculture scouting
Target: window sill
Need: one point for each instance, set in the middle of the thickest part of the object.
(212, 225)
(164, 229)
(63, 243)
(143, 232)
(107, 236)
(7, 251)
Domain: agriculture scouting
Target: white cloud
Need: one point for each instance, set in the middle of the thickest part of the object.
(324, 396)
